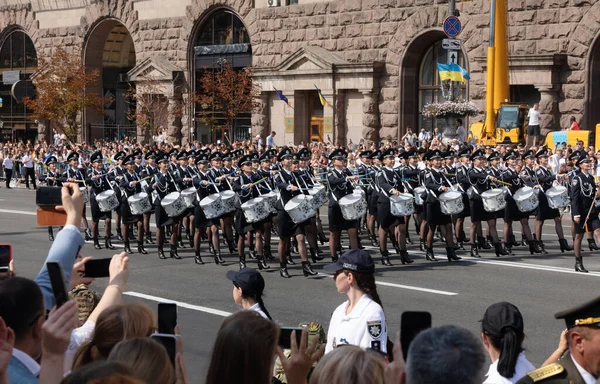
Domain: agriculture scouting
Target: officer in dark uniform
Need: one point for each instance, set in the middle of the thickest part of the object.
(410, 179)
(147, 172)
(115, 177)
(265, 171)
(374, 169)
(462, 179)
(130, 184)
(580, 364)
(306, 173)
(221, 176)
(52, 179)
(98, 183)
(75, 175)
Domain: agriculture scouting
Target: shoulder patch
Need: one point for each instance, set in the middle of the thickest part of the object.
(374, 328)
(545, 372)
(575, 181)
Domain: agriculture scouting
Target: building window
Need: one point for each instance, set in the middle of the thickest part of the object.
(430, 90)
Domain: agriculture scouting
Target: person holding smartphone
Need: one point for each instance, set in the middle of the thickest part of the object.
(360, 320)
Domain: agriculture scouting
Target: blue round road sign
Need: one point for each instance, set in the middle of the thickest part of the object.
(452, 26)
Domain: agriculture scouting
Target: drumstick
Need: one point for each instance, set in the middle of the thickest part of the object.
(589, 212)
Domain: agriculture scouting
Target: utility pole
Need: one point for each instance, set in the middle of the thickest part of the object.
(451, 7)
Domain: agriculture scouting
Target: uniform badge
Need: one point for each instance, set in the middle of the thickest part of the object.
(376, 345)
(575, 181)
(374, 328)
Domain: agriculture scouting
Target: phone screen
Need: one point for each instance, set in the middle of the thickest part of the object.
(48, 196)
(167, 318)
(169, 342)
(285, 334)
(5, 256)
(57, 280)
(97, 268)
(411, 324)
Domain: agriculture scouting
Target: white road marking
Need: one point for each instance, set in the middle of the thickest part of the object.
(198, 308)
(18, 212)
(534, 266)
(409, 287)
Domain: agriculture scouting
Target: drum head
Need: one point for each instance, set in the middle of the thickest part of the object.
(450, 195)
(557, 190)
(171, 197)
(419, 190)
(294, 202)
(210, 199)
(523, 193)
(251, 202)
(492, 192)
(350, 199)
(227, 194)
(105, 194)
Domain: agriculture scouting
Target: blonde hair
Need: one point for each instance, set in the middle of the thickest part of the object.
(349, 364)
(117, 323)
(148, 359)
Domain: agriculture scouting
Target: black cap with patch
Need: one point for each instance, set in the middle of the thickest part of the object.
(249, 279)
(355, 260)
(502, 316)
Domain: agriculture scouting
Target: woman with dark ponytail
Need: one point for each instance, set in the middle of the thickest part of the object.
(248, 287)
(502, 336)
(360, 320)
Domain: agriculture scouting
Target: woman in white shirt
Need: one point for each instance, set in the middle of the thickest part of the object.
(360, 320)
(248, 288)
(502, 336)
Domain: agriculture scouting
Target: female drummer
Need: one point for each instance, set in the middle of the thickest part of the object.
(205, 187)
(163, 184)
(266, 187)
(220, 176)
(98, 184)
(74, 175)
(360, 320)
(130, 184)
(52, 179)
(245, 187)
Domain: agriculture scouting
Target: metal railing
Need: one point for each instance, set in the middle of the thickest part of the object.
(111, 132)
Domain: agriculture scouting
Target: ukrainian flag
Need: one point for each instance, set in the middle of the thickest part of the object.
(322, 98)
(453, 72)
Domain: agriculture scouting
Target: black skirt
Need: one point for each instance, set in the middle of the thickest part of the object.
(98, 215)
(372, 203)
(126, 216)
(478, 213)
(336, 220)
(512, 212)
(384, 215)
(544, 212)
(243, 226)
(467, 211)
(435, 216)
(200, 220)
(161, 217)
(286, 226)
(593, 223)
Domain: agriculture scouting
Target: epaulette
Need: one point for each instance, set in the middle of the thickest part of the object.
(545, 372)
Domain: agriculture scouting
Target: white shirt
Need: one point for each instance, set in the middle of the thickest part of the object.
(588, 378)
(364, 326)
(461, 133)
(534, 117)
(7, 163)
(270, 141)
(409, 140)
(27, 361)
(523, 366)
(27, 161)
(79, 336)
(256, 308)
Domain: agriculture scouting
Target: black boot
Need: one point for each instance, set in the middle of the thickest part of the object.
(523, 240)
(108, 243)
(262, 262)
(513, 241)
(197, 258)
(119, 235)
(322, 238)
(395, 244)
(218, 258)
(283, 272)
(232, 247)
(373, 240)
(97, 243)
(173, 253)
(242, 261)
(252, 254)
(149, 238)
(508, 247)
(579, 265)
(483, 244)
(268, 254)
(180, 243)
(360, 246)
(385, 258)
(592, 245)
(404, 258)
(474, 251)
(421, 245)
(131, 234)
(564, 246)
(127, 247)
(533, 247)
(542, 247)
(88, 234)
(335, 256)
(408, 240)
(500, 251)
(50, 234)
(314, 255)
(307, 269)
(161, 253)
(451, 255)
(295, 246)
(141, 248)
(429, 254)
(289, 258)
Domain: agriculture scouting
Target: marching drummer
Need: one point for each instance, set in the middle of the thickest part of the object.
(289, 187)
(99, 183)
(545, 180)
(366, 170)
(75, 175)
(184, 180)
(264, 171)
(480, 182)
(306, 178)
(494, 171)
(52, 179)
(374, 169)
(148, 170)
(220, 176)
(130, 184)
(437, 183)
(462, 179)
(245, 186)
(163, 184)
(410, 179)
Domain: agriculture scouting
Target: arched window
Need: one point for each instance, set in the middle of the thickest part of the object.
(18, 61)
(221, 37)
(430, 90)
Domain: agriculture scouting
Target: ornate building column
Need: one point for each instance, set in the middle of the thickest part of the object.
(260, 117)
(339, 119)
(550, 120)
(370, 131)
(174, 132)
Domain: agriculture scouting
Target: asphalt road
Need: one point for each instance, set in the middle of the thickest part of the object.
(455, 293)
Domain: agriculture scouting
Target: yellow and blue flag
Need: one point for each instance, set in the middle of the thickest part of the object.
(282, 97)
(322, 98)
(453, 72)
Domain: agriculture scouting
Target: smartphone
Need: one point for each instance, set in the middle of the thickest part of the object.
(5, 256)
(48, 196)
(411, 324)
(167, 318)
(169, 342)
(57, 280)
(97, 268)
(285, 334)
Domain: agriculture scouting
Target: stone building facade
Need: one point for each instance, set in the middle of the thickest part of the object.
(365, 56)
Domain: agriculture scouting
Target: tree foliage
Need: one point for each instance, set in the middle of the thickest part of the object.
(61, 96)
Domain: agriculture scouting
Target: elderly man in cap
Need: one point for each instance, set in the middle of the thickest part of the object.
(581, 365)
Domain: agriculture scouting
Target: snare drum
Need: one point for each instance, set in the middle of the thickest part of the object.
(300, 208)
(190, 196)
(526, 199)
(231, 201)
(419, 195)
(256, 209)
(353, 206)
(212, 206)
(107, 200)
(139, 203)
(493, 200)
(319, 194)
(271, 199)
(173, 204)
(451, 203)
(85, 193)
(558, 197)
(402, 205)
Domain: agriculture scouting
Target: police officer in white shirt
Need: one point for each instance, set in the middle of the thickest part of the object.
(360, 320)
(248, 287)
(29, 173)
(533, 128)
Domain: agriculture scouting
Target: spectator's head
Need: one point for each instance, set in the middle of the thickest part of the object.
(573, 119)
(459, 122)
(22, 308)
(257, 350)
(147, 358)
(117, 323)
(273, 133)
(446, 354)
(101, 372)
(349, 364)
(536, 106)
(502, 332)
(248, 288)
